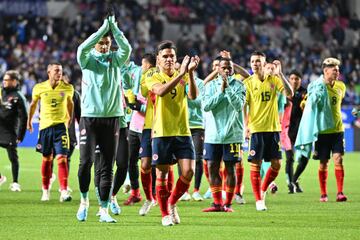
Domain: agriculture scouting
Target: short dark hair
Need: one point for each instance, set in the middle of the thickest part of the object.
(258, 53)
(52, 64)
(13, 74)
(151, 58)
(295, 72)
(224, 59)
(218, 58)
(164, 45)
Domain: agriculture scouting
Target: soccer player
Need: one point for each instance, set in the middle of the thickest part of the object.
(263, 122)
(331, 141)
(170, 109)
(100, 111)
(145, 152)
(13, 119)
(224, 100)
(290, 126)
(137, 103)
(56, 108)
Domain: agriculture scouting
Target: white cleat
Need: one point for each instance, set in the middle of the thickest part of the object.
(260, 205)
(65, 196)
(2, 180)
(197, 196)
(145, 209)
(15, 187)
(239, 199)
(174, 214)
(126, 187)
(167, 221)
(185, 197)
(82, 212)
(45, 195)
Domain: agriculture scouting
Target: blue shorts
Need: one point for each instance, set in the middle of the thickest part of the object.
(53, 140)
(264, 145)
(165, 149)
(226, 152)
(328, 143)
(145, 145)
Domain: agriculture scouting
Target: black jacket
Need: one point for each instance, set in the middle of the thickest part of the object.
(13, 116)
(296, 113)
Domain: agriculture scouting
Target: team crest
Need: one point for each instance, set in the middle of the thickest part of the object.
(141, 150)
(83, 131)
(272, 86)
(252, 153)
(204, 152)
(38, 146)
(182, 82)
(155, 157)
(62, 94)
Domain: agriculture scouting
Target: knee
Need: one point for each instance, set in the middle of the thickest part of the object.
(188, 174)
(323, 165)
(276, 165)
(338, 160)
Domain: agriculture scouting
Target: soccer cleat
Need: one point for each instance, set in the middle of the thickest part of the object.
(297, 187)
(15, 187)
(105, 217)
(174, 214)
(132, 200)
(126, 187)
(208, 194)
(2, 180)
(291, 188)
(273, 187)
(82, 212)
(114, 206)
(45, 195)
(98, 213)
(324, 198)
(239, 199)
(145, 209)
(260, 205)
(185, 197)
(227, 208)
(197, 196)
(65, 196)
(52, 180)
(214, 208)
(167, 221)
(341, 197)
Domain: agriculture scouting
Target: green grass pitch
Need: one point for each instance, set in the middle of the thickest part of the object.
(298, 216)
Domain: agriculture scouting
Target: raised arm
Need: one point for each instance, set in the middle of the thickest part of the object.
(193, 90)
(162, 89)
(288, 91)
(124, 50)
(83, 51)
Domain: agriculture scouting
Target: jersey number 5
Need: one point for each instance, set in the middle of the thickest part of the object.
(53, 102)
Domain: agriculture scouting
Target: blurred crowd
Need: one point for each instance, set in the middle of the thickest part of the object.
(28, 43)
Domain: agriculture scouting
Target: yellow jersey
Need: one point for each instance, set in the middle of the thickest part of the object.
(170, 111)
(336, 94)
(262, 100)
(53, 102)
(150, 97)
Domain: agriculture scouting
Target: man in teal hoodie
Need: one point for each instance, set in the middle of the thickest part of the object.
(101, 107)
(223, 103)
